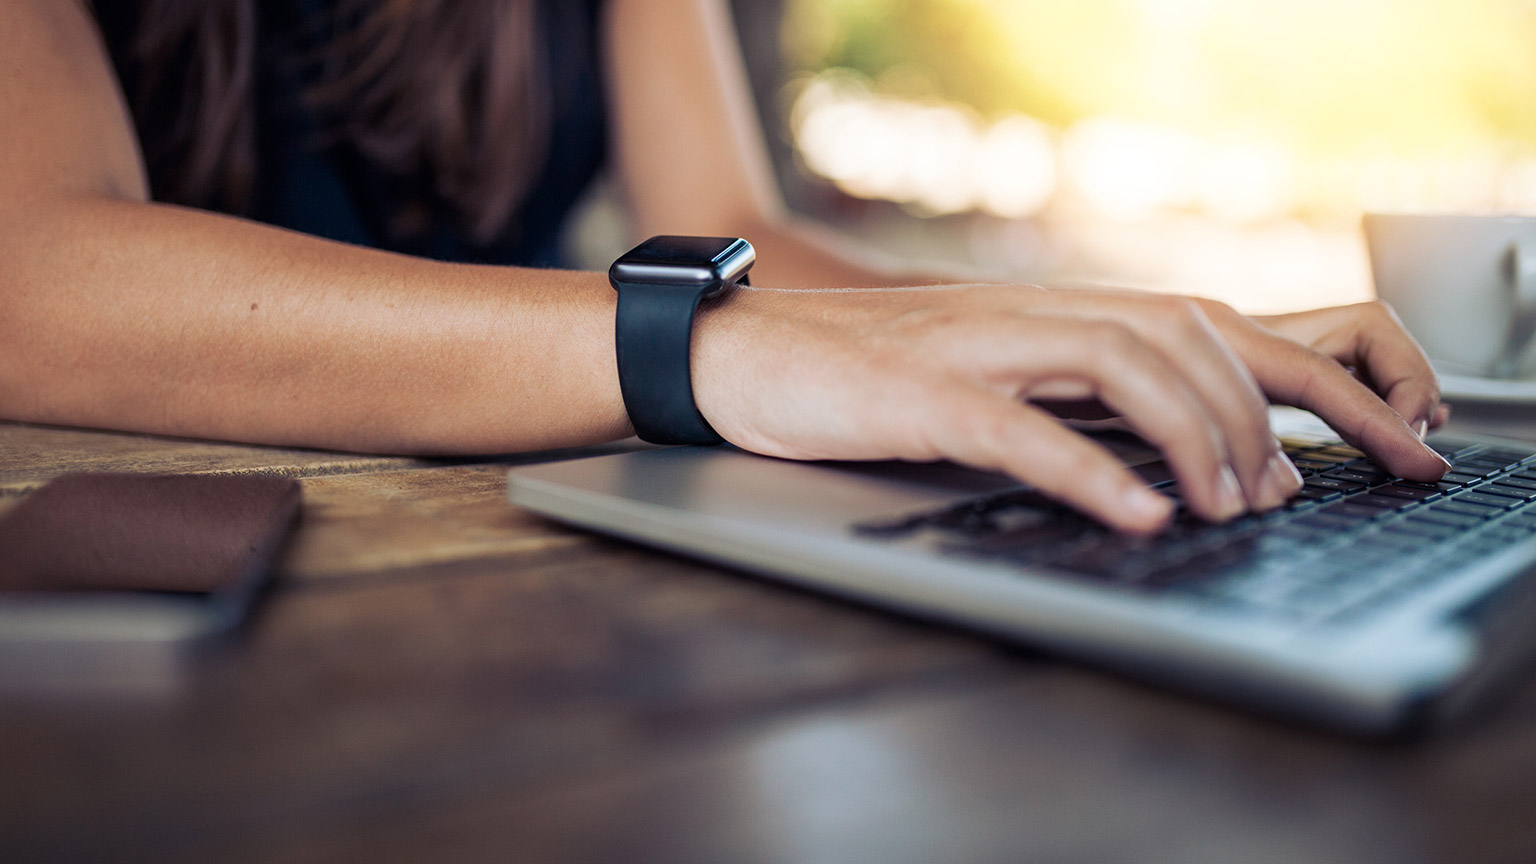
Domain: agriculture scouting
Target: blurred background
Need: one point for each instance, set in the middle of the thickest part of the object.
(1224, 148)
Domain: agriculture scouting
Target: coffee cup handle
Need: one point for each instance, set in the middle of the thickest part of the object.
(1520, 273)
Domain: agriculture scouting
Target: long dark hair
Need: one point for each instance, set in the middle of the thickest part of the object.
(451, 91)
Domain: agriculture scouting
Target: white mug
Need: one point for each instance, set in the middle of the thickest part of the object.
(1465, 287)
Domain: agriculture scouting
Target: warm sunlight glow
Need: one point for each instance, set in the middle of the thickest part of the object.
(937, 157)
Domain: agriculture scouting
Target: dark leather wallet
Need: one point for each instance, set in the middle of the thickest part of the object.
(141, 532)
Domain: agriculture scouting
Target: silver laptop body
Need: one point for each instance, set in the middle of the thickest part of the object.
(1409, 655)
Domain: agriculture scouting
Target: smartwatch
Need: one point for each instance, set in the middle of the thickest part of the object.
(661, 283)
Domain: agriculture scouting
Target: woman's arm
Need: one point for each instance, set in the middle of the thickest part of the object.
(118, 312)
(691, 152)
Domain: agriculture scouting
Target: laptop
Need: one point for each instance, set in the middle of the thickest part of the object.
(1369, 604)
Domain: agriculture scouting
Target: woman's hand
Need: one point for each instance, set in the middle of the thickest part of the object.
(949, 373)
(1369, 338)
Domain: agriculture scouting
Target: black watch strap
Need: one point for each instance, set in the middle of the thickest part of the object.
(652, 335)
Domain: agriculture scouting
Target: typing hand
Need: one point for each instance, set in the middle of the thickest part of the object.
(950, 373)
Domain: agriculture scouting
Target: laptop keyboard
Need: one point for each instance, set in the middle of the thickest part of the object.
(1354, 539)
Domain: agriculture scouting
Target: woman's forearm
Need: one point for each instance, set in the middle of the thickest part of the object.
(161, 319)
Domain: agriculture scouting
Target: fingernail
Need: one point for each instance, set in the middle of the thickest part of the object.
(1280, 481)
(1421, 427)
(1441, 459)
(1293, 481)
(1229, 494)
(1269, 496)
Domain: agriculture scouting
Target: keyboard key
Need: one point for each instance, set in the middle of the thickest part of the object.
(1383, 502)
(1351, 510)
(1522, 519)
(1370, 478)
(1347, 564)
(1483, 468)
(1431, 527)
(1119, 558)
(1399, 539)
(1462, 477)
(1464, 509)
(1486, 462)
(1484, 544)
(1498, 501)
(1306, 493)
(1499, 487)
(1205, 566)
(1330, 521)
(1411, 493)
(1434, 515)
(1508, 453)
(1517, 481)
(1328, 483)
(1442, 486)
(1449, 447)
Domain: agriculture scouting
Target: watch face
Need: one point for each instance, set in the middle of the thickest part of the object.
(693, 261)
(681, 250)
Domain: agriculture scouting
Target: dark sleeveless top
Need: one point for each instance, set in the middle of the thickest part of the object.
(329, 190)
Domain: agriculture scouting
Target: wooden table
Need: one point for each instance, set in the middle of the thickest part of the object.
(442, 677)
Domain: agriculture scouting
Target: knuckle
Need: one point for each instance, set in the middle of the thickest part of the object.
(1380, 312)
(1380, 309)
(1114, 336)
(1186, 317)
(1178, 307)
(1215, 309)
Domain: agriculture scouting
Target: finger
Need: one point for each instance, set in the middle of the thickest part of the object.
(1371, 338)
(993, 431)
(1295, 375)
(1192, 342)
(1129, 376)
(1442, 416)
(1188, 340)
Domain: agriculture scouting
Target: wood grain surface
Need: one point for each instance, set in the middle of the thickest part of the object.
(439, 676)
(32, 455)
